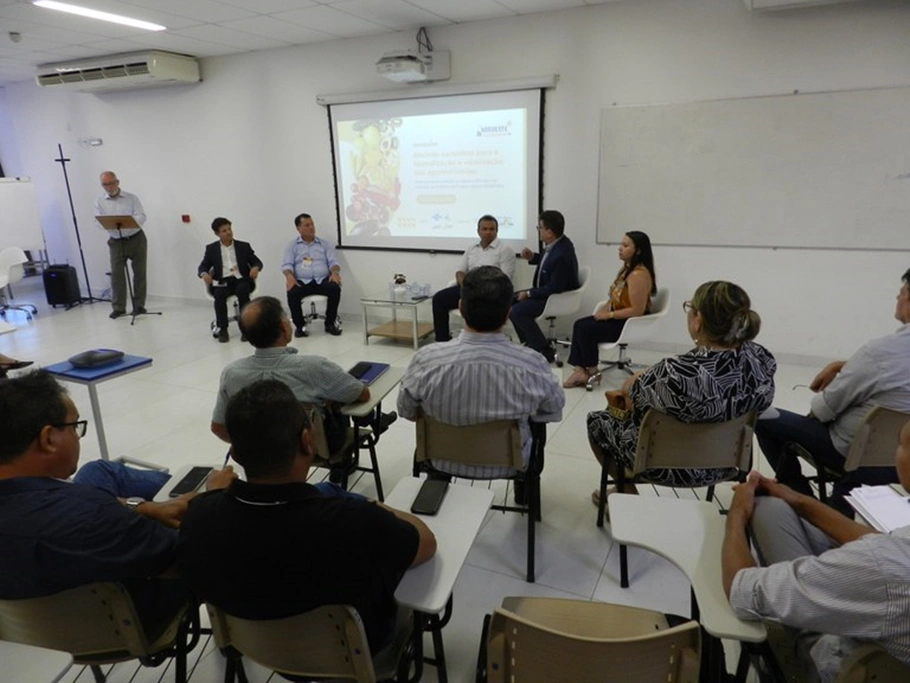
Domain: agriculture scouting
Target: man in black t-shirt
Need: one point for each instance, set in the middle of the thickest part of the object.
(274, 546)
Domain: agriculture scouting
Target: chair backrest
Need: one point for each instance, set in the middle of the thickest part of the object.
(95, 623)
(488, 443)
(326, 642)
(875, 441)
(580, 641)
(567, 303)
(665, 442)
(870, 663)
(11, 260)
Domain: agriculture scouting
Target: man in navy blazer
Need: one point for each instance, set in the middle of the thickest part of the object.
(229, 267)
(557, 271)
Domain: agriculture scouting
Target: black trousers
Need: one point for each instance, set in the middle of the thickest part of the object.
(242, 287)
(444, 300)
(587, 333)
(326, 288)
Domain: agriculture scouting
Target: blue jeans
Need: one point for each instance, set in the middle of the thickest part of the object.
(120, 480)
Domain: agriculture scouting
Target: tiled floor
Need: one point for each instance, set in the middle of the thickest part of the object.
(162, 415)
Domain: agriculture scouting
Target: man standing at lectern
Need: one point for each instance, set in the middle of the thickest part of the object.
(124, 244)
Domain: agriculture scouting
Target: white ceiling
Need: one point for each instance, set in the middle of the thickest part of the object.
(205, 28)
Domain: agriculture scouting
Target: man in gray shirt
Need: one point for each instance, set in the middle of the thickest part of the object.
(313, 379)
(878, 374)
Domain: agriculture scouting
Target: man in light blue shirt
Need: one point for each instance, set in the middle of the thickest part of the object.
(309, 267)
(126, 244)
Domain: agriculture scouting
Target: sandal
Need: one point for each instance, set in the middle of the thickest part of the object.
(578, 378)
(595, 495)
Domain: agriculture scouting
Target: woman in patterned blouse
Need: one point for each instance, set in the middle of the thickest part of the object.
(630, 296)
(725, 376)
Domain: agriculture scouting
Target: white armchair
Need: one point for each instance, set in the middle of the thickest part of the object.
(12, 271)
(561, 305)
(639, 329)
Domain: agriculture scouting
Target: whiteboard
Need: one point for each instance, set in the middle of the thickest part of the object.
(19, 224)
(824, 170)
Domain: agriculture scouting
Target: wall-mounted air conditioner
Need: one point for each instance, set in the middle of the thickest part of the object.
(120, 72)
(769, 5)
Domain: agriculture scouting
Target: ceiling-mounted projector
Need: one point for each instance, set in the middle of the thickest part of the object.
(406, 66)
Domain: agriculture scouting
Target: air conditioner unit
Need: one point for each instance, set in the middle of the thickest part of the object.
(405, 66)
(120, 72)
(769, 5)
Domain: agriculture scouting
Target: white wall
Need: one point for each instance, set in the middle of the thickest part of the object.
(250, 143)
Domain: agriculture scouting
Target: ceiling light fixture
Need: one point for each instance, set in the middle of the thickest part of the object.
(97, 14)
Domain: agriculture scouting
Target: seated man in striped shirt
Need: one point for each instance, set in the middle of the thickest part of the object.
(838, 583)
(481, 376)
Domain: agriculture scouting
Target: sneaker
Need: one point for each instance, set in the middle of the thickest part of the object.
(223, 336)
(333, 329)
(116, 314)
(301, 332)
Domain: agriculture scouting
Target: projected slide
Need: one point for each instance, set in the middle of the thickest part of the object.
(415, 179)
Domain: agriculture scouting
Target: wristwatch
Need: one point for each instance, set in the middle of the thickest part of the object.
(133, 502)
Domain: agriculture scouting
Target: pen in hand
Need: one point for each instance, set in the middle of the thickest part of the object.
(227, 458)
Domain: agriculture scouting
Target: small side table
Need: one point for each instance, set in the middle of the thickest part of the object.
(395, 328)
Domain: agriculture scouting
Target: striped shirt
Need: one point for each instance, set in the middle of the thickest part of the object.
(480, 377)
(878, 374)
(313, 379)
(860, 591)
(124, 204)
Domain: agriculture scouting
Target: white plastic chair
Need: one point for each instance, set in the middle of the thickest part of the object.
(12, 271)
(563, 304)
(639, 329)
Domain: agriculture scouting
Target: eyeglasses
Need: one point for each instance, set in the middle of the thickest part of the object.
(687, 306)
(110, 184)
(79, 427)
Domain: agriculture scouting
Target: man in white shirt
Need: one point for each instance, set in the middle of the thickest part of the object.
(878, 374)
(125, 244)
(838, 583)
(230, 267)
(489, 251)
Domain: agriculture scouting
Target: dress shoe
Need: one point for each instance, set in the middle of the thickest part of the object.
(549, 354)
(385, 421)
(19, 364)
(139, 310)
(243, 337)
(223, 336)
(116, 314)
(333, 329)
(301, 332)
(521, 492)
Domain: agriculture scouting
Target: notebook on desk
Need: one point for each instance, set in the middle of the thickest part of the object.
(881, 506)
(368, 371)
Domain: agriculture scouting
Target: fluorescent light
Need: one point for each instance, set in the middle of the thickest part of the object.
(97, 14)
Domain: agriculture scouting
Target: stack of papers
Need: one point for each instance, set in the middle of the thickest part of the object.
(881, 506)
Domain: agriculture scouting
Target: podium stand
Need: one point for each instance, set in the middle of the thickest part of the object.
(116, 224)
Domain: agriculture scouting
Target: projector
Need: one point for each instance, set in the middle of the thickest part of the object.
(405, 66)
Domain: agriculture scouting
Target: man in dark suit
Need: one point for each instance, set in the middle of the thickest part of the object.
(229, 267)
(557, 271)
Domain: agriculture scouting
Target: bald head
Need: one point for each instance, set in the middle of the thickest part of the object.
(110, 183)
(265, 323)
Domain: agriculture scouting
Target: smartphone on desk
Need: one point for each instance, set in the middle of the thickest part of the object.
(429, 497)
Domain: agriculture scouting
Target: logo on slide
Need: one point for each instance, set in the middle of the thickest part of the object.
(494, 131)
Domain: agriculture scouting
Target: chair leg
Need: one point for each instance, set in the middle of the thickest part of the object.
(822, 485)
(602, 505)
(533, 513)
(98, 674)
(709, 496)
(376, 477)
(623, 566)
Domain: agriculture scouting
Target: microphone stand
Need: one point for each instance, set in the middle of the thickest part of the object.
(90, 299)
